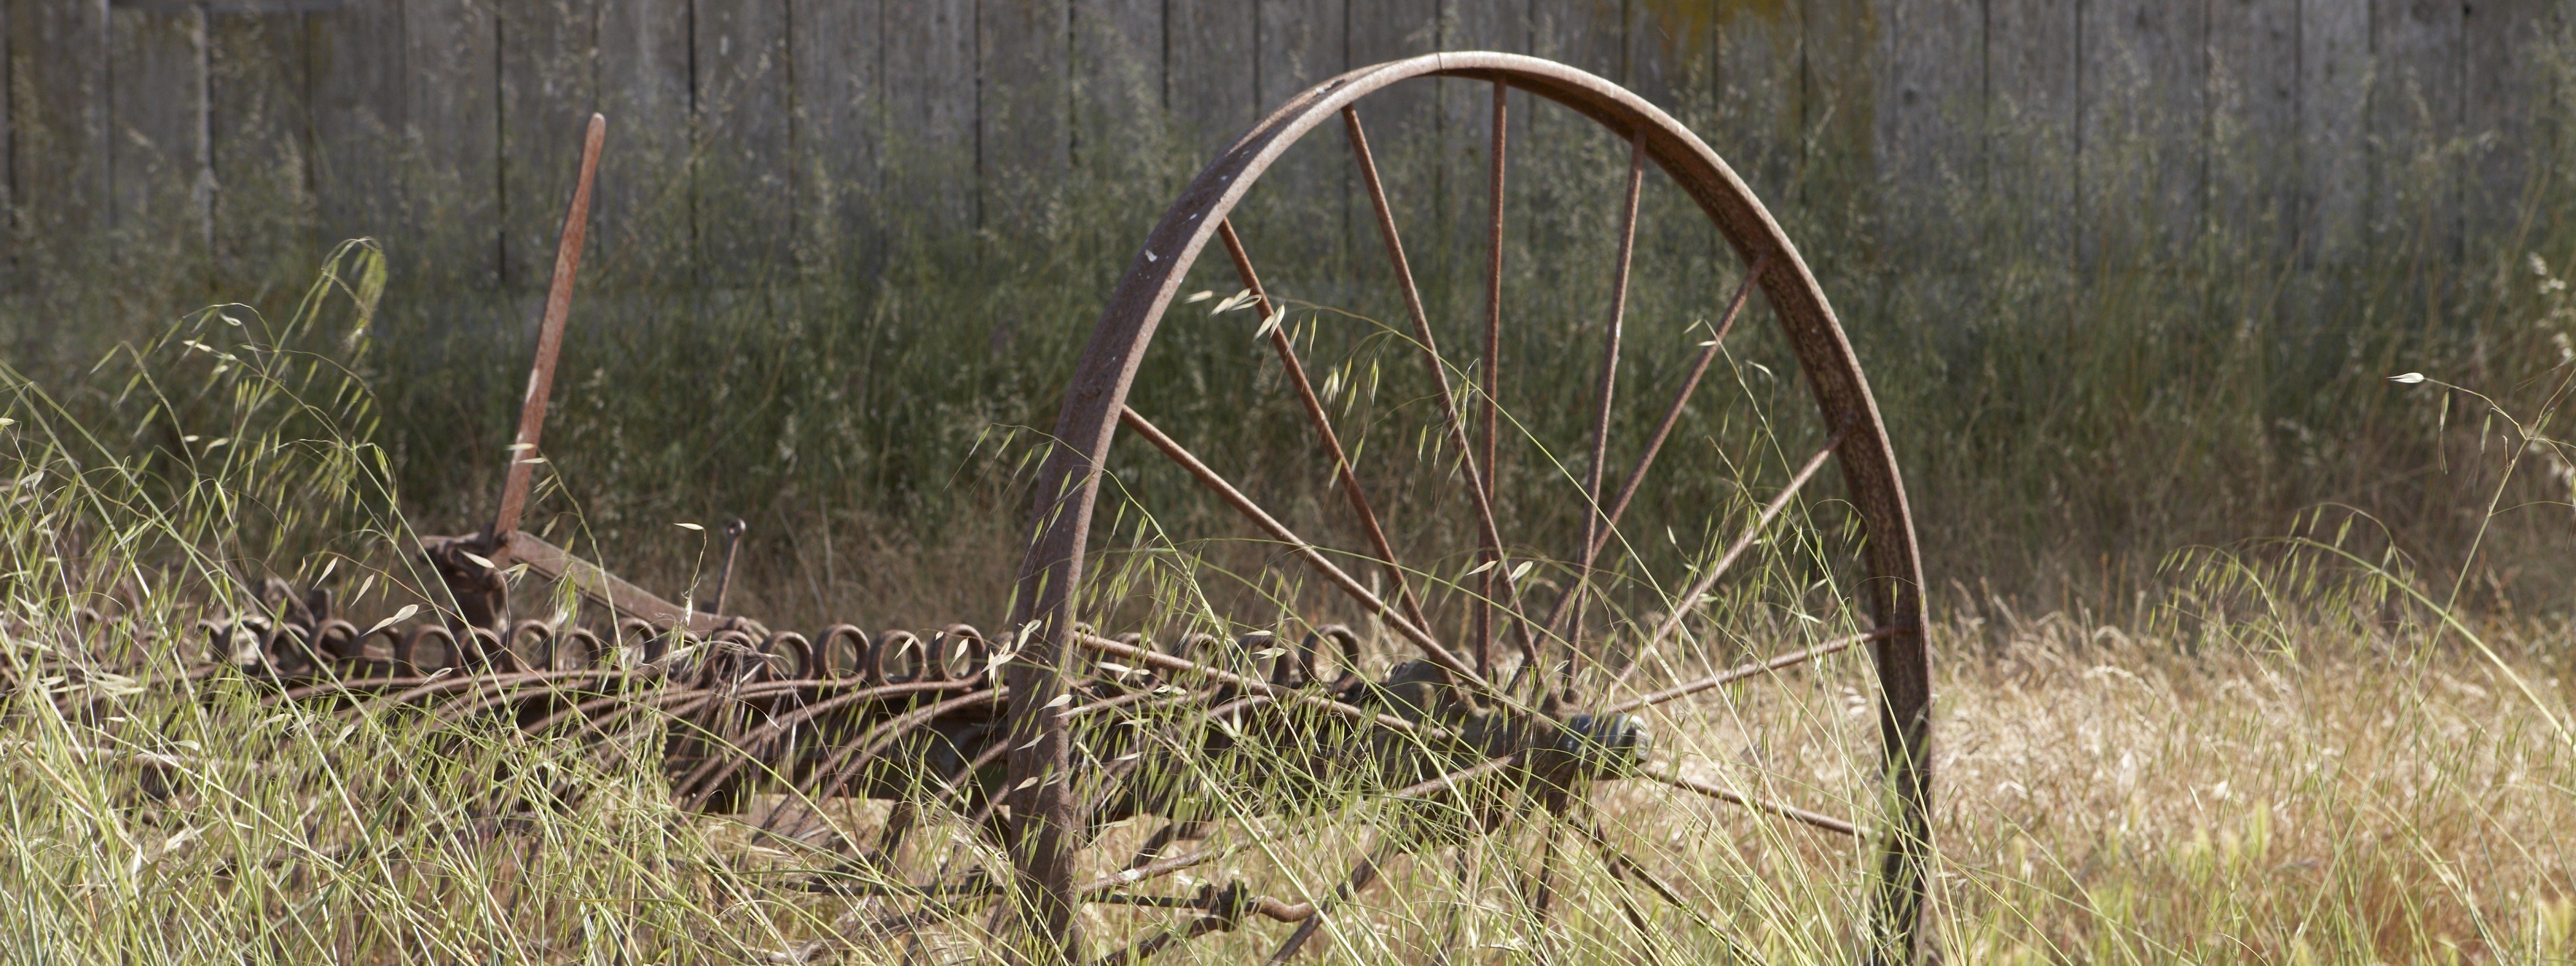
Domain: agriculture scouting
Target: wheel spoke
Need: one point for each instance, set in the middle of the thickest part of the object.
(1740, 672)
(1654, 445)
(1782, 809)
(1305, 551)
(1457, 426)
(1493, 361)
(1608, 392)
(1361, 876)
(1683, 606)
(1623, 867)
(1332, 442)
(1538, 897)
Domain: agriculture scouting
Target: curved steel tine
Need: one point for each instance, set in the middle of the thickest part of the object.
(784, 724)
(1362, 876)
(842, 767)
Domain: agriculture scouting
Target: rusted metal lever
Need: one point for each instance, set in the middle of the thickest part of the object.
(541, 376)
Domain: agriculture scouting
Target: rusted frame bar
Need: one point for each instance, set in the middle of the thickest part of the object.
(604, 588)
(1688, 601)
(1609, 389)
(541, 377)
(1314, 558)
(1742, 671)
(1488, 531)
(1331, 441)
(1781, 809)
(1600, 538)
(733, 754)
(873, 742)
(1310, 915)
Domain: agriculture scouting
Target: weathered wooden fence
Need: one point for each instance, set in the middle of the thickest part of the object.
(220, 132)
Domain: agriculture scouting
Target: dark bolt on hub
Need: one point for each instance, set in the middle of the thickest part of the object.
(1605, 745)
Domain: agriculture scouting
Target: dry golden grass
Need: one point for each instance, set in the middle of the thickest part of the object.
(2360, 797)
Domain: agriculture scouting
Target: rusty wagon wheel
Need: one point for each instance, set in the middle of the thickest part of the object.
(1627, 606)
(1659, 672)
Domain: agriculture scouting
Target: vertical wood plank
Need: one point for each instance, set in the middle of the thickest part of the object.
(2032, 86)
(452, 135)
(1501, 25)
(1303, 43)
(2415, 120)
(840, 112)
(1024, 100)
(8, 158)
(1656, 41)
(1839, 89)
(645, 231)
(58, 84)
(1466, 122)
(1589, 34)
(2506, 85)
(359, 73)
(930, 136)
(1213, 79)
(549, 86)
(1932, 108)
(2254, 87)
(260, 141)
(1761, 79)
(744, 197)
(2144, 114)
(1117, 76)
(1410, 144)
(2334, 84)
(157, 147)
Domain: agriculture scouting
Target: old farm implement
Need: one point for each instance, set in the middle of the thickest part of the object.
(1456, 610)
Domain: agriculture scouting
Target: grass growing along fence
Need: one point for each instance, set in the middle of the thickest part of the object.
(2262, 753)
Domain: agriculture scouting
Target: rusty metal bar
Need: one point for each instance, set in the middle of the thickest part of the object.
(1421, 638)
(1742, 671)
(1784, 810)
(1663, 430)
(1310, 915)
(1332, 441)
(541, 376)
(1493, 362)
(1609, 388)
(1683, 605)
(1488, 531)
(605, 588)
(733, 531)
